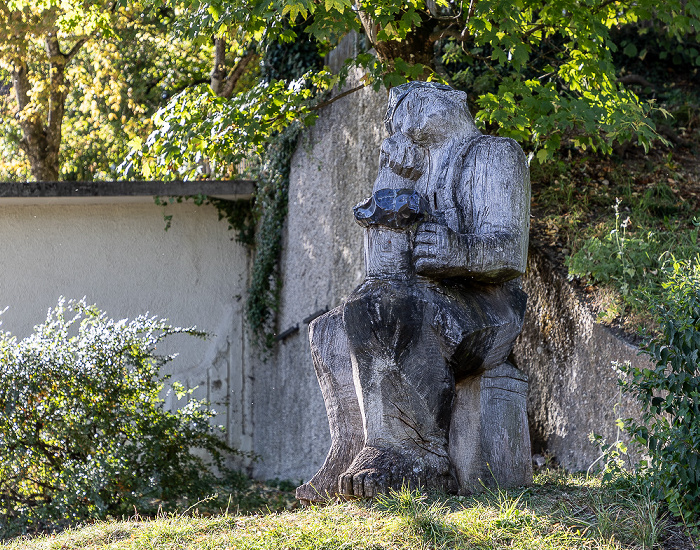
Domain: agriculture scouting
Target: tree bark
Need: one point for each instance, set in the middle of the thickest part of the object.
(417, 47)
(218, 75)
(223, 83)
(41, 140)
(34, 140)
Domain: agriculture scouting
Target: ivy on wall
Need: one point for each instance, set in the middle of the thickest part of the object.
(259, 223)
(271, 211)
(280, 61)
(239, 214)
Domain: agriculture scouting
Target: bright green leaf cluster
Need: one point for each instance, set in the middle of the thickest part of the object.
(542, 71)
(198, 132)
(669, 394)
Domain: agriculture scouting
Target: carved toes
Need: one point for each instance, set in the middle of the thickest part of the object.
(376, 471)
(345, 485)
(364, 484)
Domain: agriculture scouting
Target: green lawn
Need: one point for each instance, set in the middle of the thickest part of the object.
(558, 512)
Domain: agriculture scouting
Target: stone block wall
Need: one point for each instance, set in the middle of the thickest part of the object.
(568, 358)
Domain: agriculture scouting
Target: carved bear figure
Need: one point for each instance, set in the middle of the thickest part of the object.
(446, 233)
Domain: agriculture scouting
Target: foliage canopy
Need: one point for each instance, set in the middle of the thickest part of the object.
(78, 80)
(542, 70)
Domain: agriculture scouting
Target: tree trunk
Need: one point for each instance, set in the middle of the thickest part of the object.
(43, 165)
(41, 139)
(417, 47)
(222, 82)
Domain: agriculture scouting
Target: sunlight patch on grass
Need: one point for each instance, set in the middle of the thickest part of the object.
(559, 512)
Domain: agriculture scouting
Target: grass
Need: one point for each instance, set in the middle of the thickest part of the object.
(558, 512)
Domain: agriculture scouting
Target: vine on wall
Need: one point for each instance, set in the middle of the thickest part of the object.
(239, 214)
(283, 61)
(271, 211)
(259, 222)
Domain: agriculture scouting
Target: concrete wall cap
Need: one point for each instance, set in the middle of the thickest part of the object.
(112, 192)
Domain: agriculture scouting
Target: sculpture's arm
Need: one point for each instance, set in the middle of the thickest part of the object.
(439, 252)
(493, 192)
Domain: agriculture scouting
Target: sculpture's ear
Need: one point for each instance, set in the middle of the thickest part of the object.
(460, 97)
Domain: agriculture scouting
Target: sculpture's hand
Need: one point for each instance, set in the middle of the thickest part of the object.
(403, 157)
(437, 250)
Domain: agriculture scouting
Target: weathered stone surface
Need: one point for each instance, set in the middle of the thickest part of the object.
(438, 303)
(568, 357)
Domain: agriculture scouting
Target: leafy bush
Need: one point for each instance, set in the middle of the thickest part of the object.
(670, 395)
(84, 432)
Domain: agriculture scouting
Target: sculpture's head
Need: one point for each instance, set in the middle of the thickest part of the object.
(428, 113)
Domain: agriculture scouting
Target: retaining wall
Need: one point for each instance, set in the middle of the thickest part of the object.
(117, 254)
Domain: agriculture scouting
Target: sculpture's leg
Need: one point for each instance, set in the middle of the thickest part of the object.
(489, 440)
(331, 357)
(505, 440)
(405, 391)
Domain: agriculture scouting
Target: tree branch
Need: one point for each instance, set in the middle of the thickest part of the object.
(233, 78)
(336, 98)
(183, 86)
(76, 47)
(53, 49)
(20, 83)
(635, 79)
(219, 71)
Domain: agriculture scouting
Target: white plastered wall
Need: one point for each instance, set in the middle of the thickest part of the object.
(120, 257)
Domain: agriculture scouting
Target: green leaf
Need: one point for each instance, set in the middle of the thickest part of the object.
(543, 155)
(337, 5)
(295, 10)
(630, 50)
(214, 11)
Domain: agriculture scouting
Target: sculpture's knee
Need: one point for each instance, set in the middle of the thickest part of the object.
(477, 325)
(383, 320)
(328, 328)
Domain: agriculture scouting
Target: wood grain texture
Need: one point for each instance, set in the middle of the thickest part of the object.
(329, 349)
(428, 332)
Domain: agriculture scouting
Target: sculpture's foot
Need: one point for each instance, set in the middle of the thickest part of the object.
(323, 486)
(376, 470)
(307, 494)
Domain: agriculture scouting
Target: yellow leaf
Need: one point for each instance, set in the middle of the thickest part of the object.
(338, 5)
